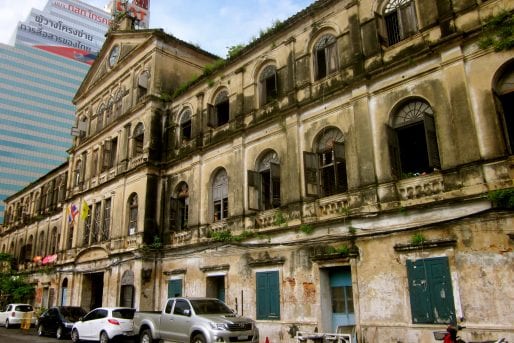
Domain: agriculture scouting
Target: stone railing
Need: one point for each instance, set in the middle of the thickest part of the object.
(137, 160)
(332, 206)
(420, 186)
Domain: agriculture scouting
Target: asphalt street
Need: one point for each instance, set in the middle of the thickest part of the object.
(16, 335)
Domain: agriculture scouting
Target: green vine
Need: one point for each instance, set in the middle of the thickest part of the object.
(498, 32)
(307, 229)
(418, 239)
(502, 198)
(279, 218)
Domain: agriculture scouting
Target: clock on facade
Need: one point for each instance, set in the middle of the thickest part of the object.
(113, 56)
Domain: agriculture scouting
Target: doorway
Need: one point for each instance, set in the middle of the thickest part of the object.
(92, 291)
(338, 314)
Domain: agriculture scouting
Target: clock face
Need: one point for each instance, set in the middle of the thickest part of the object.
(115, 53)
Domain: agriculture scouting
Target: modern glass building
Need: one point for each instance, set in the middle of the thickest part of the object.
(38, 78)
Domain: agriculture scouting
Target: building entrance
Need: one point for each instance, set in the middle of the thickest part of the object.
(92, 290)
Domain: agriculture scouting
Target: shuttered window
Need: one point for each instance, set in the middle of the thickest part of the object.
(430, 289)
(268, 295)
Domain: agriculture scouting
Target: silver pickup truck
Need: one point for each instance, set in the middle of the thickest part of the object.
(195, 320)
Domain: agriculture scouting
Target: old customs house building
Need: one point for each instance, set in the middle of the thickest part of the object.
(350, 170)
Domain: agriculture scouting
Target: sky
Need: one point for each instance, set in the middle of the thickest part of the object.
(213, 25)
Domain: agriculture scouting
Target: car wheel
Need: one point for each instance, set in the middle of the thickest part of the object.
(104, 338)
(75, 336)
(40, 330)
(7, 323)
(199, 338)
(59, 333)
(146, 337)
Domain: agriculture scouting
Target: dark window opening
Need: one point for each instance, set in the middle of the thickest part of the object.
(185, 126)
(222, 111)
(412, 142)
(219, 113)
(325, 56)
(179, 209)
(268, 84)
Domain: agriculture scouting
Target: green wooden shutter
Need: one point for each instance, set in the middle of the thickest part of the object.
(174, 288)
(268, 295)
(419, 293)
(430, 291)
(441, 293)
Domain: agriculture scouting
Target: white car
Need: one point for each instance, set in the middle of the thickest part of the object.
(14, 314)
(103, 324)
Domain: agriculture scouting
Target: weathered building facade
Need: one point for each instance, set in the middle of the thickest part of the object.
(351, 170)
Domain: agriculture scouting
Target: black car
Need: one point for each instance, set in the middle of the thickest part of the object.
(59, 320)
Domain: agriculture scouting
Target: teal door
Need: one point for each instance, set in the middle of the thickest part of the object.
(341, 295)
(175, 288)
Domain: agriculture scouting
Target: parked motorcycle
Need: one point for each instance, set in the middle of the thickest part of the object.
(450, 336)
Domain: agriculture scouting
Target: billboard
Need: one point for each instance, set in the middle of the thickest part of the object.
(69, 28)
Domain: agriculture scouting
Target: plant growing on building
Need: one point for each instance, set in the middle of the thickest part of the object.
(418, 239)
(221, 236)
(235, 50)
(279, 218)
(498, 32)
(307, 229)
(502, 198)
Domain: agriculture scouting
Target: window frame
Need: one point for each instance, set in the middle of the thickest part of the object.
(409, 115)
(133, 213)
(219, 112)
(325, 56)
(219, 193)
(268, 84)
(328, 159)
(264, 185)
(138, 139)
(397, 21)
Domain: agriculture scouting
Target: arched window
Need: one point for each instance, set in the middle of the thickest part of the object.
(264, 183)
(220, 195)
(42, 244)
(412, 140)
(325, 56)
(142, 84)
(127, 289)
(185, 125)
(132, 214)
(325, 169)
(219, 113)
(108, 111)
(118, 98)
(53, 242)
(505, 101)
(179, 207)
(100, 117)
(64, 291)
(398, 21)
(138, 138)
(77, 181)
(268, 87)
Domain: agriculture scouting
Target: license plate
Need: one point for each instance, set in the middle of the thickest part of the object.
(242, 338)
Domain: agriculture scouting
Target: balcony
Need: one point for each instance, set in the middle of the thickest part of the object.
(420, 186)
